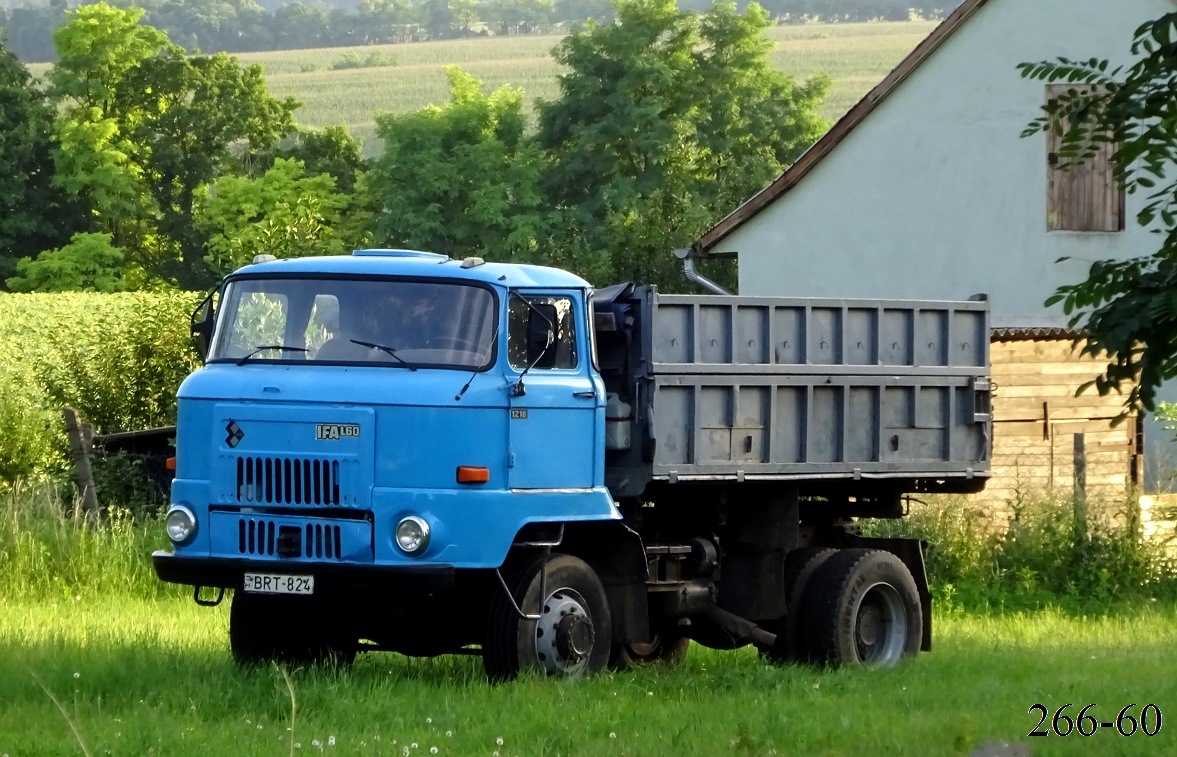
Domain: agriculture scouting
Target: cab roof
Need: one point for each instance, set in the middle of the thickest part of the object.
(417, 263)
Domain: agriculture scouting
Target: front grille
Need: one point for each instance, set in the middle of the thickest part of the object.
(259, 536)
(288, 480)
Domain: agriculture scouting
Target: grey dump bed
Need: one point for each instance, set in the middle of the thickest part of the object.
(747, 388)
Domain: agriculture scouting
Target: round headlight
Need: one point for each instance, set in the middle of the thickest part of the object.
(412, 535)
(180, 524)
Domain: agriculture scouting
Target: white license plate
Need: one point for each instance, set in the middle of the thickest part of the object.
(272, 583)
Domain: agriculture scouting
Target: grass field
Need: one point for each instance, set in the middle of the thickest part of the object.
(857, 56)
(154, 677)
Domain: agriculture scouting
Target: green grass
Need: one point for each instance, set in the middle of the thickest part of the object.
(153, 677)
(89, 640)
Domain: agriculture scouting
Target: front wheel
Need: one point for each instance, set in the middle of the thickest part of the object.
(573, 633)
(861, 607)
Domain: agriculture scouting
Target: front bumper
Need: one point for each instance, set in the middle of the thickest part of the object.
(223, 572)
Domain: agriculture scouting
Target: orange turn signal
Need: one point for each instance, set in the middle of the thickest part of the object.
(468, 474)
(170, 463)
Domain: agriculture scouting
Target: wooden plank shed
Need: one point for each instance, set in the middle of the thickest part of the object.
(1047, 440)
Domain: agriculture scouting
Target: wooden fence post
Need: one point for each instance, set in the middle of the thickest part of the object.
(1080, 493)
(79, 448)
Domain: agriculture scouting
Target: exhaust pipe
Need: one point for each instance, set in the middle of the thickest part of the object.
(686, 255)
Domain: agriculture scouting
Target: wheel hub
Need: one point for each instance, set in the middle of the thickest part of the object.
(574, 637)
(880, 626)
(564, 633)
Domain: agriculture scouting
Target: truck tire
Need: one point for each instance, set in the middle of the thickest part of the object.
(573, 636)
(800, 565)
(291, 630)
(861, 607)
(663, 649)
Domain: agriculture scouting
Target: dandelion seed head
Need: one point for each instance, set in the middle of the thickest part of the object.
(428, 720)
(78, 598)
(449, 733)
(433, 750)
(495, 753)
(330, 741)
(499, 741)
(259, 726)
(414, 745)
(77, 675)
(817, 685)
(405, 752)
(316, 742)
(649, 693)
(298, 745)
(612, 735)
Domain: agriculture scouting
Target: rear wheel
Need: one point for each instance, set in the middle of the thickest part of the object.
(861, 607)
(800, 565)
(572, 636)
(292, 630)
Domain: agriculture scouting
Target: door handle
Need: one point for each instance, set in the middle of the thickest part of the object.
(591, 393)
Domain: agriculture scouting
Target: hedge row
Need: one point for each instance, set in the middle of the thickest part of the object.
(116, 358)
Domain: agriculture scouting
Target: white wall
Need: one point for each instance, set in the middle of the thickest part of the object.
(936, 195)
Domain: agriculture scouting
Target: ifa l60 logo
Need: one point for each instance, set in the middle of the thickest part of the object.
(331, 432)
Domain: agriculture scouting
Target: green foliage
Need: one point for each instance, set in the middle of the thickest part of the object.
(29, 435)
(143, 127)
(1044, 554)
(460, 179)
(89, 263)
(117, 358)
(47, 550)
(283, 213)
(330, 150)
(371, 60)
(31, 211)
(665, 121)
(1126, 308)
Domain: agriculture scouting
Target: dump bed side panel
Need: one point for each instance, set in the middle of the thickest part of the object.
(747, 388)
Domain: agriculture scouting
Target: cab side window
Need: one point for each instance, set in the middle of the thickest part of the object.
(528, 327)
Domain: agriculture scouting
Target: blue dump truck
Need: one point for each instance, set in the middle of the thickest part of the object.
(398, 451)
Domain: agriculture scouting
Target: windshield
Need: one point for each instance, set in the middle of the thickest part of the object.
(405, 323)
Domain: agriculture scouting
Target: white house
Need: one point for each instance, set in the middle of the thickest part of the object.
(926, 189)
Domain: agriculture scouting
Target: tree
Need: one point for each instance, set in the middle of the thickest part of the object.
(1127, 309)
(89, 263)
(33, 215)
(143, 127)
(461, 179)
(284, 213)
(665, 121)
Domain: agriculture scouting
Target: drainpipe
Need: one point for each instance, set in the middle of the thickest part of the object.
(687, 256)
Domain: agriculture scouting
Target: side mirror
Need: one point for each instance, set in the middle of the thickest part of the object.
(201, 323)
(541, 336)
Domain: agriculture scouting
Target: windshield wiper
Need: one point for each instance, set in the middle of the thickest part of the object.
(263, 348)
(386, 350)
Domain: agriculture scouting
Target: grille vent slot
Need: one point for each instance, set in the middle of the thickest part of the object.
(322, 541)
(256, 537)
(288, 480)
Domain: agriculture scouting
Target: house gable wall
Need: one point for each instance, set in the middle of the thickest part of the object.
(936, 194)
